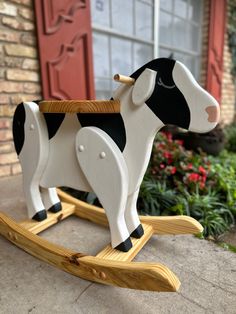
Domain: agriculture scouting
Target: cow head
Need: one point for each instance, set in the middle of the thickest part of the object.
(169, 89)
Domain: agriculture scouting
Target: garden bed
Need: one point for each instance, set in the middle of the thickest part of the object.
(180, 181)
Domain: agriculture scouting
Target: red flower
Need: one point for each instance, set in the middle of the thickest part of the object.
(169, 137)
(203, 178)
(167, 155)
(160, 145)
(180, 142)
(202, 170)
(162, 166)
(169, 161)
(202, 185)
(193, 177)
(190, 166)
(173, 170)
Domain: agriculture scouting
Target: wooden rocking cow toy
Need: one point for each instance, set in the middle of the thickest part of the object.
(60, 145)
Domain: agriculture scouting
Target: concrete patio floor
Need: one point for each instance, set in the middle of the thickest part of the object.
(27, 285)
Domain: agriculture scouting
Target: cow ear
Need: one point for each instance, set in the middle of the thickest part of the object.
(144, 87)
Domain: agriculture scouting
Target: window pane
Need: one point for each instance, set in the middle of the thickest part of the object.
(101, 55)
(150, 2)
(191, 62)
(102, 89)
(180, 57)
(180, 8)
(100, 12)
(194, 40)
(122, 15)
(180, 35)
(165, 53)
(165, 28)
(194, 11)
(142, 54)
(121, 56)
(166, 5)
(144, 20)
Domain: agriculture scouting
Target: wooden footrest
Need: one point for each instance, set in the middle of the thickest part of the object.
(111, 254)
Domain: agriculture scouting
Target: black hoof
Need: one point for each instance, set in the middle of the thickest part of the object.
(40, 216)
(124, 246)
(138, 232)
(55, 208)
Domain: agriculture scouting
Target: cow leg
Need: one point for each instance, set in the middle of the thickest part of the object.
(50, 199)
(131, 216)
(33, 157)
(105, 169)
(33, 199)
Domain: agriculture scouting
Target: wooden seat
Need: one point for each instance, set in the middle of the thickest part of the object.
(79, 106)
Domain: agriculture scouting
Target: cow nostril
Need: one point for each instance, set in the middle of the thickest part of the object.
(214, 113)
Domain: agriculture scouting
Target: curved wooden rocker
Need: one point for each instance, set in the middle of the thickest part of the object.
(110, 266)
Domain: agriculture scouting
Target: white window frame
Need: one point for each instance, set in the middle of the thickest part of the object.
(156, 28)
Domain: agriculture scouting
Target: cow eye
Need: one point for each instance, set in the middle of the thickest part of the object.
(159, 82)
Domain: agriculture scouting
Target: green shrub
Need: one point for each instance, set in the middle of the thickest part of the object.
(184, 182)
(214, 216)
(155, 199)
(230, 135)
(223, 173)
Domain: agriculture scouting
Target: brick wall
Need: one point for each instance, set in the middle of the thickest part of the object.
(228, 87)
(19, 72)
(205, 33)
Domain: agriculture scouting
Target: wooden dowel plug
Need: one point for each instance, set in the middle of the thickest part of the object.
(124, 79)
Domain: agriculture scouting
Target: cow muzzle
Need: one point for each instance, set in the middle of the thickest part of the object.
(213, 113)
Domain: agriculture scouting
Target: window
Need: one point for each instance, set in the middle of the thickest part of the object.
(125, 36)
(180, 32)
(123, 39)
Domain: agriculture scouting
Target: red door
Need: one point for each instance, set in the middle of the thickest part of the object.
(216, 47)
(65, 48)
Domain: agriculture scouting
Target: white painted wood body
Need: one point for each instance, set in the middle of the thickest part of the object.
(99, 165)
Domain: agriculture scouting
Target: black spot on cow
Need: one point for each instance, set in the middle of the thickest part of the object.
(167, 101)
(18, 128)
(111, 123)
(53, 121)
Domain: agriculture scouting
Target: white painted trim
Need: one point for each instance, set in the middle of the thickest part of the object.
(156, 28)
(177, 49)
(114, 32)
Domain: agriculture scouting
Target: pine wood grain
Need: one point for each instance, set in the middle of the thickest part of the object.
(161, 225)
(173, 224)
(52, 219)
(79, 106)
(143, 276)
(109, 253)
(124, 79)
